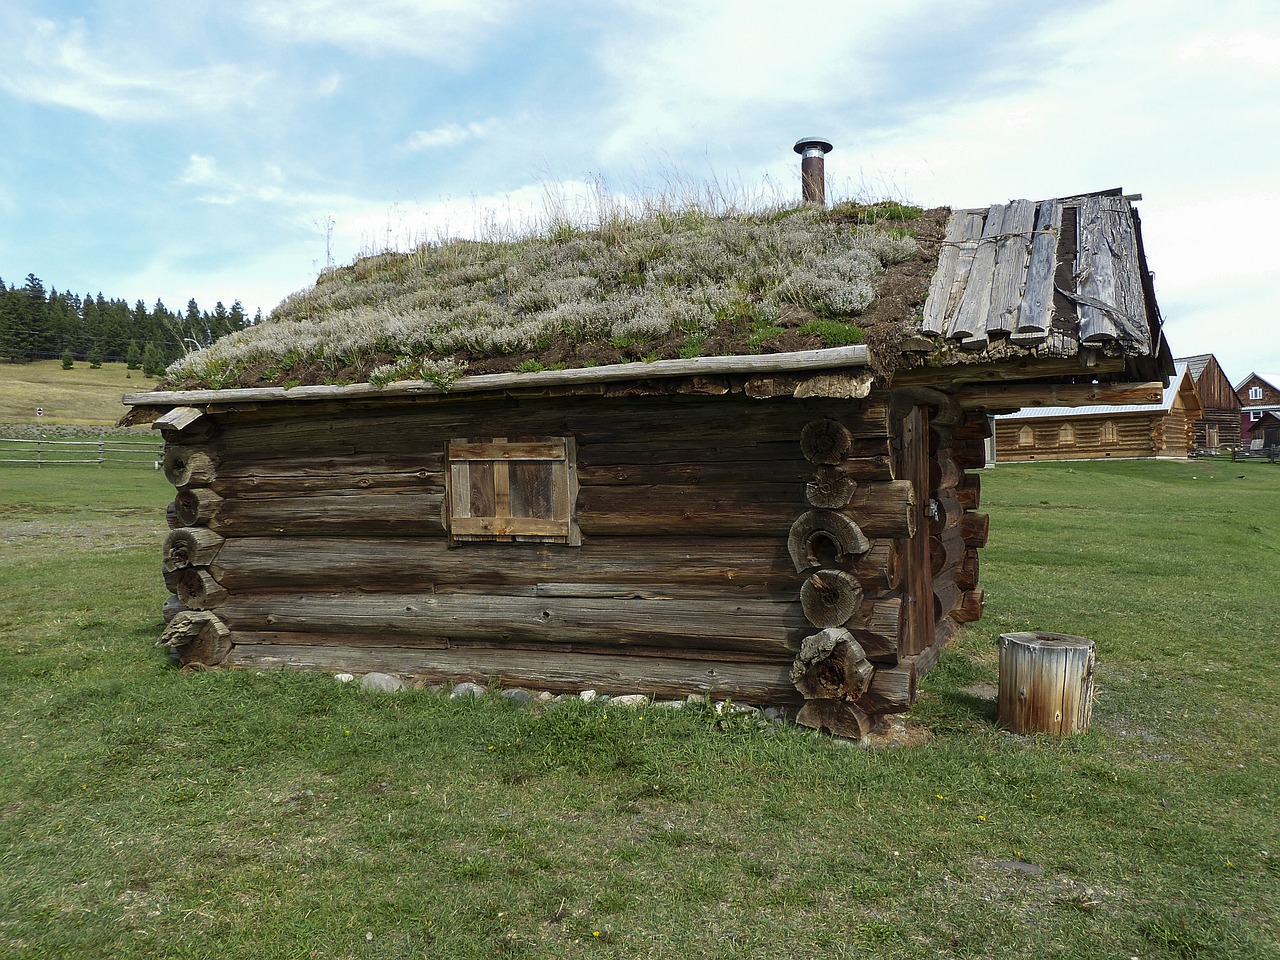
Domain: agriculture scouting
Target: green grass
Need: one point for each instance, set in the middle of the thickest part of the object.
(80, 396)
(149, 813)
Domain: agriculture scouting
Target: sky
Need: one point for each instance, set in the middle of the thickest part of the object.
(231, 149)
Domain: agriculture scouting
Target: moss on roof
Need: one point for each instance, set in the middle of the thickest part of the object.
(660, 285)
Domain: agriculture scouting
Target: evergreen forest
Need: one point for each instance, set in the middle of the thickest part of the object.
(36, 324)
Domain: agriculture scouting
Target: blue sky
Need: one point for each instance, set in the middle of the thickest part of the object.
(223, 149)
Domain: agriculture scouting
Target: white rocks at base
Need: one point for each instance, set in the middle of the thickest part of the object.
(630, 700)
(344, 677)
(466, 690)
(381, 683)
(586, 696)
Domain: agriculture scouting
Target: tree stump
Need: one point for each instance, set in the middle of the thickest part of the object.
(1046, 683)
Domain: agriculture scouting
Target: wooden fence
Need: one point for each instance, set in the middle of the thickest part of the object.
(40, 452)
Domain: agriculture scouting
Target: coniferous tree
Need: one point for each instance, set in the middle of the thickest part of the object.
(152, 363)
(133, 357)
(68, 361)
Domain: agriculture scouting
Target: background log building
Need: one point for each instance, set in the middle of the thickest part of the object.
(1166, 428)
(799, 528)
(1218, 427)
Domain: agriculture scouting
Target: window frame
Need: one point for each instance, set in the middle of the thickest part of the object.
(506, 490)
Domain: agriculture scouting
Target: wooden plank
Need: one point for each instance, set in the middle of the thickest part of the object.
(971, 317)
(935, 306)
(179, 418)
(1028, 395)
(1013, 251)
(748, 625)
(499, 449)
(1035, 312)
(830, 358)
(508, 527)
(1096, 272)
(666, 677)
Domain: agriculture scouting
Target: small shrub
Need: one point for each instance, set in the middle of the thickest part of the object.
(68, 361)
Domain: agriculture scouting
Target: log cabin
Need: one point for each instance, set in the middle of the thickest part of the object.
(715, 491)
(1218, 427)
(1165, 428)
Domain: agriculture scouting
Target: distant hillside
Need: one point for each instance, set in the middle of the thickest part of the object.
(79, 397)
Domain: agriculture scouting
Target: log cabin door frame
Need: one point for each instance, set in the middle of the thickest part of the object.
(916, 627)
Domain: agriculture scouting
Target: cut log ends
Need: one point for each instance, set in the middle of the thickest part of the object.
(831, 666)
(974, 528)
(825, 441)
(838, 717)
(825, 538)
(198, 589)
(830, 597)
(188, 466)
(197, 637)
(195, 506)
(972, 603)
(831, 489)
(191, 547)
(969, 491)
(1046, 683)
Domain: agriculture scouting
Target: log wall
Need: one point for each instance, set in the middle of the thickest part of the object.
(1118, 436)
(716, 534)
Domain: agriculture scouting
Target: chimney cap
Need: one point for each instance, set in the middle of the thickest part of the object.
(807, 144)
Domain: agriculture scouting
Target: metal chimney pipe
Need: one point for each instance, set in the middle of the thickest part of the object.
(813, 178)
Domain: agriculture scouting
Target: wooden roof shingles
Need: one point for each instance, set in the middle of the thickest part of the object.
(1001, 275)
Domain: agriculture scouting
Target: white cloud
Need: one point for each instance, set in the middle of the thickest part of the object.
(62, 65)
(449, 135)
(442, 30)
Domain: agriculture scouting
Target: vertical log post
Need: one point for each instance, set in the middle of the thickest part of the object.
(1046, 683)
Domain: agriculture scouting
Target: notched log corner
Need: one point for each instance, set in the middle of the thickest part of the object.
(197, 638)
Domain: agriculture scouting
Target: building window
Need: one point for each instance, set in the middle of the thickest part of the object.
(1026, 437)
(1255, 416)
(506, 490)
(1109, 432)
(1066, 434)
(1255, 393)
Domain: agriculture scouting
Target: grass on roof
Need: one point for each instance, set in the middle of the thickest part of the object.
(655, 284)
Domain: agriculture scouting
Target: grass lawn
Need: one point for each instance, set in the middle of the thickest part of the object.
(80, 396)
(149, 813)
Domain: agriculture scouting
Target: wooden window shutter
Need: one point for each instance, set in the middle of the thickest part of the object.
(509, 490)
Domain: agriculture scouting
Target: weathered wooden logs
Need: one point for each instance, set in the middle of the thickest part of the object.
(839, 717)
(970, 608)
(191, 547)
(762, 627)
(969, 491)
(831, 488)
(884, 509)
(825, 538)
(974, 528)
(198, 589)
(188, 466)
(825, 441)
(197, 637)
(830, 597)
(831, 665)
(1046, 682)
(172, 607)
(195, 506)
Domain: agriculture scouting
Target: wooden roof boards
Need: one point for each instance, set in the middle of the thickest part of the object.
(1001, 267)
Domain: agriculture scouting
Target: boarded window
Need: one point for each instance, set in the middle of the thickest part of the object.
(1109, 432)
(1026, 437)
(503, 489)
(1066, 434)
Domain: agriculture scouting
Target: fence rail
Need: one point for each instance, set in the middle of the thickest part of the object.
(41, 452)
